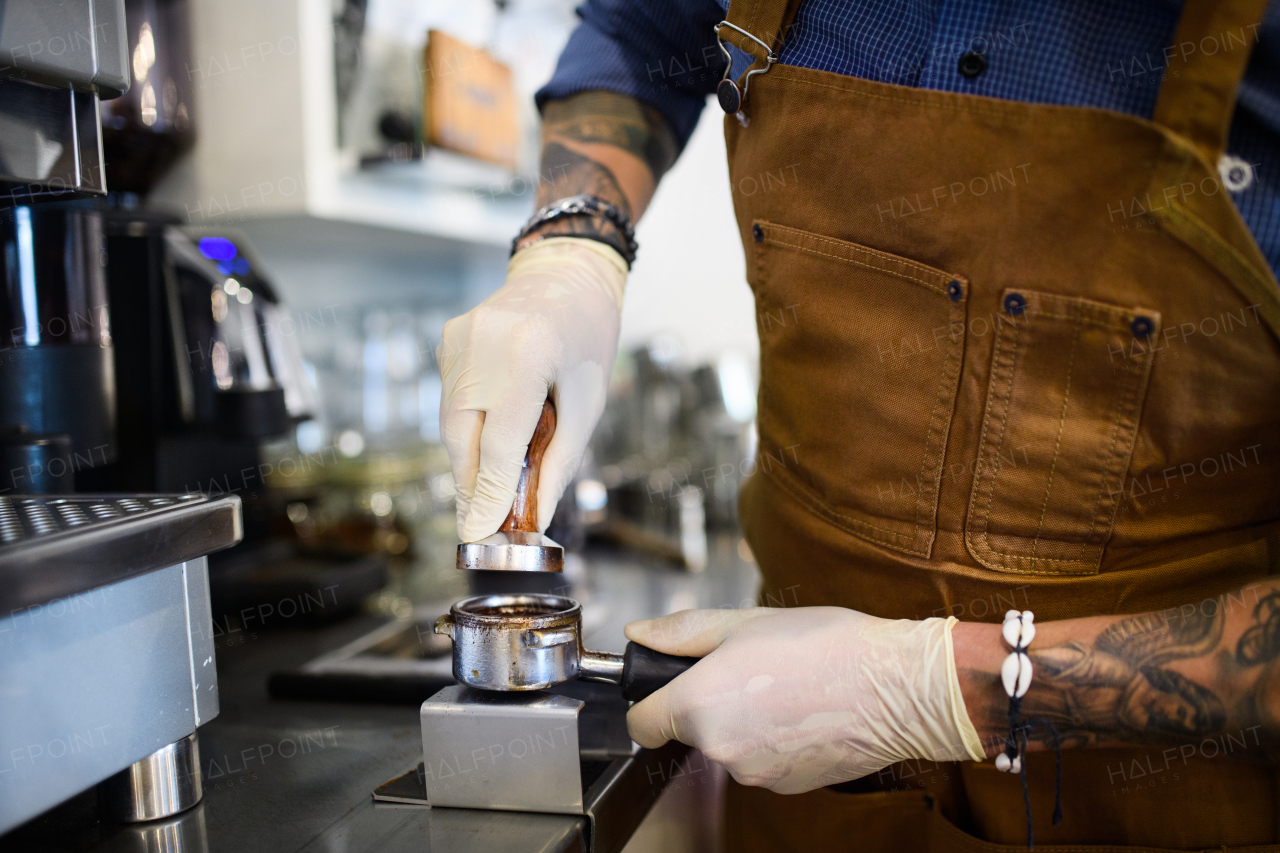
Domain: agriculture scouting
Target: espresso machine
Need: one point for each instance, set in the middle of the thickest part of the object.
(106, 642)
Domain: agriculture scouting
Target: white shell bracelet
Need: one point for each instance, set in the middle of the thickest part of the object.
(1018, 630)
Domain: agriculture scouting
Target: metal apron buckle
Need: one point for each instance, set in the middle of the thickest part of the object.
(732, 99)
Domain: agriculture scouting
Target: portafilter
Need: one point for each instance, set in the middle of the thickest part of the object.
(533, 641)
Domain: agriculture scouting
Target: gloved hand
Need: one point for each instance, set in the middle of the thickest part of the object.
(793, 699)
(552, 327)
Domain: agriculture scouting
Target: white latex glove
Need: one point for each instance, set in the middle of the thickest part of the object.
(552, 327)
(793, 699)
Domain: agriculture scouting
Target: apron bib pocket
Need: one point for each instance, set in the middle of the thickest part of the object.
(1068, 377)
(870, 345)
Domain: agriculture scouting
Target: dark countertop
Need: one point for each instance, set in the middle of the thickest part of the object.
(291, 775)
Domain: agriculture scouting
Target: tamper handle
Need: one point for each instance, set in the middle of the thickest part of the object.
(645, 671)
(524, 509)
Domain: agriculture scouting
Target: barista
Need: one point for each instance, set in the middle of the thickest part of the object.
(1054, 386)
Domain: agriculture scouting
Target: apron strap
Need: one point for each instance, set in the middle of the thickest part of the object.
(767, 20)
(1203, 69)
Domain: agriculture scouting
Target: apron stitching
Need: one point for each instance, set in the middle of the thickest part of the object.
(855, 262)
(1025, 558)
(1057, 445)
(1125, 411)
(1111, 453)
(1219, 250)
(937, 274)
(800, 234)
(998, 361)
(1121, 407)
(1078, 319)
(931, 439)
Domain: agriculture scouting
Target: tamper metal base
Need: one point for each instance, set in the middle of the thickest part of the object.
(509, 751)
(512, 751)
(512, 551)
(164, 783)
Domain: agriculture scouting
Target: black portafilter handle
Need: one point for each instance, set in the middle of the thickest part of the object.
(645, 671)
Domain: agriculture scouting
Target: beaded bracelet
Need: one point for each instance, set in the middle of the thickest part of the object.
(1018, 630)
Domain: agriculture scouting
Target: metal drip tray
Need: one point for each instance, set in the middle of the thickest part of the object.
(29, 516)
(52, 546)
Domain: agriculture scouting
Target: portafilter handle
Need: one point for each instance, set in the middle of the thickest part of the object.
(639, 670)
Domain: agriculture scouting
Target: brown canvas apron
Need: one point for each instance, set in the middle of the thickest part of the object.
(1012, 355)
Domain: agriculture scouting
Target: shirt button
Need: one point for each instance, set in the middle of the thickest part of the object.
(1236, 174)
(1015, 304)
(757, 233)
(972, 64)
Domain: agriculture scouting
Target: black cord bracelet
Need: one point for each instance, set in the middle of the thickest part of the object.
(1018, 631)
(585, 205)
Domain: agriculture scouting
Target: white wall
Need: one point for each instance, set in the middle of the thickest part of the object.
(689, 279)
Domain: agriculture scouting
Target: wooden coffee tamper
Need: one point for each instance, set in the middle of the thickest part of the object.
(519, 546)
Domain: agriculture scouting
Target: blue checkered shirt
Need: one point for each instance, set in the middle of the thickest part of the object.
(1106, 55)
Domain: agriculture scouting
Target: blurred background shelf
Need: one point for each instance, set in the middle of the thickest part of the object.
(278, 137)
(287, 111)
(443, 195)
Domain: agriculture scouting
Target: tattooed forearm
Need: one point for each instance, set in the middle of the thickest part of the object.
(567, 173)
(606, 145)
(616, 120)
(1174, 675)
(1120, 684)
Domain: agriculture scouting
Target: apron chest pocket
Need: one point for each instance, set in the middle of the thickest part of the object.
(1068, 377)
(860, 362)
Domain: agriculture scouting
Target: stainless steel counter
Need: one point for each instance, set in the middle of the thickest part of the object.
(284, 776)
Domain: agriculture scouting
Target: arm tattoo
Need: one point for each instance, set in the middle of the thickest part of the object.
(1261, 642)
(602, 144)
(1120, 682)
(1166, 676)
(566, 173)
(603, 117)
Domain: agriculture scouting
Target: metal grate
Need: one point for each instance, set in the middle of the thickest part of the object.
(37, 516)
(101, 510)
(25, 517)
(10, 525)
(71, 514)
